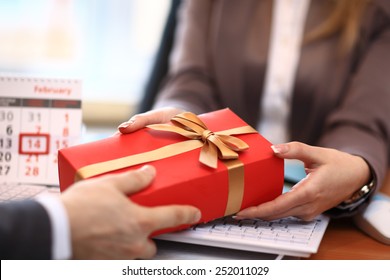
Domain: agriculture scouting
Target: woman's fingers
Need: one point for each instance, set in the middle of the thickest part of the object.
(139, 121)
(300, 151)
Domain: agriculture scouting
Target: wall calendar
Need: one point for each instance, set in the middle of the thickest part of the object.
(38, 116)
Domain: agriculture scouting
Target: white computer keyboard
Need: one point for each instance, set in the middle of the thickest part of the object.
(12, 192)
(288, 236)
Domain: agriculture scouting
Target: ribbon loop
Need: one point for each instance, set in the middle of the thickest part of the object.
(215, 145)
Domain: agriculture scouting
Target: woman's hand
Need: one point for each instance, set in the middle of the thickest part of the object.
(332, 177)
(157, 116)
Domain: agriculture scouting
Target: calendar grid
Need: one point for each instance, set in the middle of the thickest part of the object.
(38, 117)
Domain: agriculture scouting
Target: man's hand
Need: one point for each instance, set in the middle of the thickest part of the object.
(106, 224)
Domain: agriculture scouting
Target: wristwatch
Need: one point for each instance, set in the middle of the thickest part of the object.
(357, 197)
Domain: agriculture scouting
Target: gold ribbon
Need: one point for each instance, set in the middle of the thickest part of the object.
(213, 145)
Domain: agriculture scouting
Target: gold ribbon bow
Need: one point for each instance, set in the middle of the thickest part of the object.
(215, 144)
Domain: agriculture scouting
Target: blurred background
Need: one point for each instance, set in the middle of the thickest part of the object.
(109, 44)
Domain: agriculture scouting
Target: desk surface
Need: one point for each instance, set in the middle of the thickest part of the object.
(343, 240)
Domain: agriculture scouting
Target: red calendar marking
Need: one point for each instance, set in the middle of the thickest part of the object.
(32, 171)
(34, 144)
(32, 158)
(65, 132)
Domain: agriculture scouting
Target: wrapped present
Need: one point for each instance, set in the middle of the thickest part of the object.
(214, 161)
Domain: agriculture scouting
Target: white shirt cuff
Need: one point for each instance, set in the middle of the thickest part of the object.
(61, 239)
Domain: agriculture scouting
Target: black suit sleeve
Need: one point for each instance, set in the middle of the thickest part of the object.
(25, 231)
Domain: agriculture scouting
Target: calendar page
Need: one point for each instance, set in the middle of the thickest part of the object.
(38, 116)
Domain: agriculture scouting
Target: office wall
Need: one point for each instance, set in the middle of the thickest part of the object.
(108, 44)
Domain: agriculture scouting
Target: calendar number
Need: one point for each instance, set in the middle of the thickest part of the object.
(6, 116)
(34, 144)
(4, 170)
(5, 157)
(5, 143)
(34, 117)
(6, 119)
(32, 171)
(9, 130)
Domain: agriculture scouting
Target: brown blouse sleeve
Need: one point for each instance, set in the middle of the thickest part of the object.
(361, 126)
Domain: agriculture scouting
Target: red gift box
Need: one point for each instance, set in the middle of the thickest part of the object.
(255, 177)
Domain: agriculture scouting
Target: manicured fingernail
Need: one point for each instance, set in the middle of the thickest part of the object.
(279, 148)
(125, 125)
